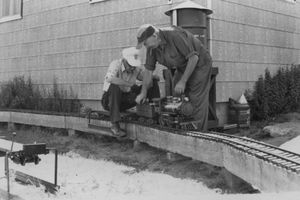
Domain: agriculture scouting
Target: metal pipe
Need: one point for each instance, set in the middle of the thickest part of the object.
(209, 6)
(13, 140)
(174, 18)
(6, 167)
(55, 168)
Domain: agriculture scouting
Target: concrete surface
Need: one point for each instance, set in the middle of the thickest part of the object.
(5, 145)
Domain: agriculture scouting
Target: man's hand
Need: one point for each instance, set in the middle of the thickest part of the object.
(131, 84)
(156, 77)
(180, 87)
(140, 98)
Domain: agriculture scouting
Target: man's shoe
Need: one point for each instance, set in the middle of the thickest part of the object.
(117, 131)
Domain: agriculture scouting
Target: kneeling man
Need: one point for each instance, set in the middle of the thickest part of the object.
(120, 89)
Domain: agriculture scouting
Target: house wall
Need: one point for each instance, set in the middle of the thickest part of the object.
(73, 41)
(249, 36)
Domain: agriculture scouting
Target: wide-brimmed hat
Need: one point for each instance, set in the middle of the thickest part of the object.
(132, 55)
(144, 32)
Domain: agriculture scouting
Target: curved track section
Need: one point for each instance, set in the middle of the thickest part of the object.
(269, 153)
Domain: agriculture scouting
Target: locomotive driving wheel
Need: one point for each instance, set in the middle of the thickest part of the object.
(161, 121)
(150, 121)
(129, 118)
(141, 120)
(183, 127)
(169, 123)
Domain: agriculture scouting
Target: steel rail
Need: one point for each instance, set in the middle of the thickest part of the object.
(272, 157)
(258, 142)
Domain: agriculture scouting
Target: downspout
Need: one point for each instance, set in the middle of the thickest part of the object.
(209, 6)
(174, 18)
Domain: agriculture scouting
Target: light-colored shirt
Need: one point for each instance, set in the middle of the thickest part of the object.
(116, 69)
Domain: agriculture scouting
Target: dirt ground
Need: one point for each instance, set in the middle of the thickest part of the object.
(143, 158)
(256, 129)
(148, 158)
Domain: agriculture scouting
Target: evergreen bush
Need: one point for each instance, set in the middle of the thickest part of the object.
(275, 94)
(23, 94)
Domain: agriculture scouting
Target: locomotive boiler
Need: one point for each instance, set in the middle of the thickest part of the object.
(171, 112)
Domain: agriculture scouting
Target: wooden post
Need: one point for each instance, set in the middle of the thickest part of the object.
(71, 132)
(174, 156)
(137, 145)
(11, 126)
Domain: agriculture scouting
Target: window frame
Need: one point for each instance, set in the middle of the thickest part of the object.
(13, 17)
(95, 1)
(291, 1)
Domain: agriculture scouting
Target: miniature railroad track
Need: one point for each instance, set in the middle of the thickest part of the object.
(277, 156)
(269, 153)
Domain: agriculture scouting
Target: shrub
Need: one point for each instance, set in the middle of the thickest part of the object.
(23, 94)
(18, 94)
(273, 95)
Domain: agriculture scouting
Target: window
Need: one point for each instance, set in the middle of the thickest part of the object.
(10, 10)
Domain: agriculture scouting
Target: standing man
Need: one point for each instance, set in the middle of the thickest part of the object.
(120, 89)
(178, 49)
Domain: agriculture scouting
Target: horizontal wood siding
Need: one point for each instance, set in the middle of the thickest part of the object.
(249, 36)
(73, 41)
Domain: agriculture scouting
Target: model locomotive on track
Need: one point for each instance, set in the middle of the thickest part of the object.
(171, 112)
(167, 112)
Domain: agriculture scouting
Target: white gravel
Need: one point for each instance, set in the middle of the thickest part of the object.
(89, 179)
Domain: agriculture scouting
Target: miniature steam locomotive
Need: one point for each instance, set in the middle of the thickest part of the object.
(168, 112)
(171, 112)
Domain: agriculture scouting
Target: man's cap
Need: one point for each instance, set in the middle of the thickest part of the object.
(144, 32)
(132, 55)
